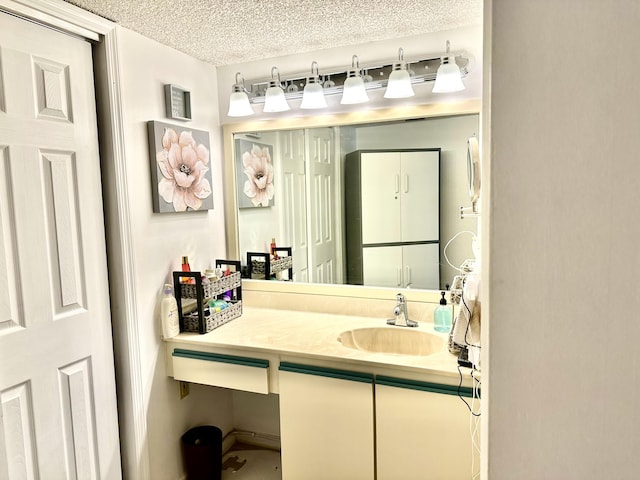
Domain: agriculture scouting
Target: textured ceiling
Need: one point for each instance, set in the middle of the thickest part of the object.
(223, 32)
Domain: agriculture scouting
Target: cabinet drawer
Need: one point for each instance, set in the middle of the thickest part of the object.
(228, 371)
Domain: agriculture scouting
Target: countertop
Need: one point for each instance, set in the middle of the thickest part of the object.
(314, 336)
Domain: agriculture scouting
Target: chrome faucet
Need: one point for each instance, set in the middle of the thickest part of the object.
(400, 315)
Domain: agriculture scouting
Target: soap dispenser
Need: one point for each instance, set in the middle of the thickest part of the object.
(442, 316)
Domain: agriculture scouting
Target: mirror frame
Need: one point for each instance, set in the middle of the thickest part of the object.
(324, 120)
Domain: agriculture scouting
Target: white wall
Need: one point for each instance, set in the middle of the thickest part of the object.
(564, 267)
(468, 39)
(159, 240)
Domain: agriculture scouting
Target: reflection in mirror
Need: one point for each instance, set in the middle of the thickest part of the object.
(313, 200)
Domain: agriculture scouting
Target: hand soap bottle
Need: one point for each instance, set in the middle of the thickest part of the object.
(169, 313)
(442, 317)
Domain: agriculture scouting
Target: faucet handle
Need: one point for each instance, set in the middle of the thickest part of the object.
(400, 298)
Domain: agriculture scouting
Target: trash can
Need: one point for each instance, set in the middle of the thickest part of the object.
(202, 453)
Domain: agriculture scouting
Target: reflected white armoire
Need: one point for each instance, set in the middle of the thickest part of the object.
(392, 221)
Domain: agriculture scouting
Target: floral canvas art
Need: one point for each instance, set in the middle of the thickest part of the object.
(180, 167)
(254, 174)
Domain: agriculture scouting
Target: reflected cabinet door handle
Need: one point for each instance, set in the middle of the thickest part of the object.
(406, 183)
(399, 277)
(408, 279)
(397, 183)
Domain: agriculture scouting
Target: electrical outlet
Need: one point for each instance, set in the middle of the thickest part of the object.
(183, 387)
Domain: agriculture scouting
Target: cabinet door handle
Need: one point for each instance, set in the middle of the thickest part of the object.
(406, 183)
(408, 279)
(397, 183)
(399, 279)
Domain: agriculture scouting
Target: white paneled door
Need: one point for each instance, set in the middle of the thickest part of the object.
(58, 416)
(323, 215)
(294, 213)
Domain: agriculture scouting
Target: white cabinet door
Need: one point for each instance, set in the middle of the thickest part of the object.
(380, 187)
(403, 266)
(326, 424)
(420, 199)
(422, 434)
(421, 266)
(382, 266)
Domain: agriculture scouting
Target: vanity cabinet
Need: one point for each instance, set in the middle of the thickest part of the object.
(392, 199)
(422, 431)
(326, 423)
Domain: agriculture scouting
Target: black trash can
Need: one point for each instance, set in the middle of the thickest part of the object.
(202, 453)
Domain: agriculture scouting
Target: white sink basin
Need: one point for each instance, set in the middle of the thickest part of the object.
(399, 340)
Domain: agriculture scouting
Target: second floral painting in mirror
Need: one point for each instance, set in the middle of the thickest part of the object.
(254, 174)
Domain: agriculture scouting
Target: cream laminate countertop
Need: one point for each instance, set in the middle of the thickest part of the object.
(310, 337)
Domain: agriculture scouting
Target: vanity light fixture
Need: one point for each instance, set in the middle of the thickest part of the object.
(354, 91)
(275, 101)
(313, 94)
(239, 105)
(358, 80)
(448, 78)
(399, 84)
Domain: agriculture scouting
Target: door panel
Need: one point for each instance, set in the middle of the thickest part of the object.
(382, 266)
(380, 186)
(420, 196)
(57, 383)
(326, 426)
(421, 265)
(292, 157)
(322, 172)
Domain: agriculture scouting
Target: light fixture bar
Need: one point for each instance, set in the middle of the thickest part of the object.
(422, 70)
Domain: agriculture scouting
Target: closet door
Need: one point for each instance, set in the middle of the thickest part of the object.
(380, 184)
(58, 416)
(420, 205)
(294, 214)
(323, 214)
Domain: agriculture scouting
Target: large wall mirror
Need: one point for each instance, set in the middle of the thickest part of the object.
(299, 181)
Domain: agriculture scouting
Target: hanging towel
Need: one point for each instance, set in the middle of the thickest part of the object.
(466, 330)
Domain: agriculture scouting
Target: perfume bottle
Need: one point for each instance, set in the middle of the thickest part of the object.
(186, 268)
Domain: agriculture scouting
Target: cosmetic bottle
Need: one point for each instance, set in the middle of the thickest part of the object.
(169, 313)
(186, 268)
(442, 317)
(274, 255)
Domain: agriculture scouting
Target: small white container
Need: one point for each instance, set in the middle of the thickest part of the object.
(169, 313)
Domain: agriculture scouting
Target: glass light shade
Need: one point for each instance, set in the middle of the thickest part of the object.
(313, 95)
(239, 105)
(353, 91)
(274, 100)
(399, 85)
(448, 78)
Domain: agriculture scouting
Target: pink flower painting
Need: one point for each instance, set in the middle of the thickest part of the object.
(255, 174)
(259, 172)
(183, 182)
